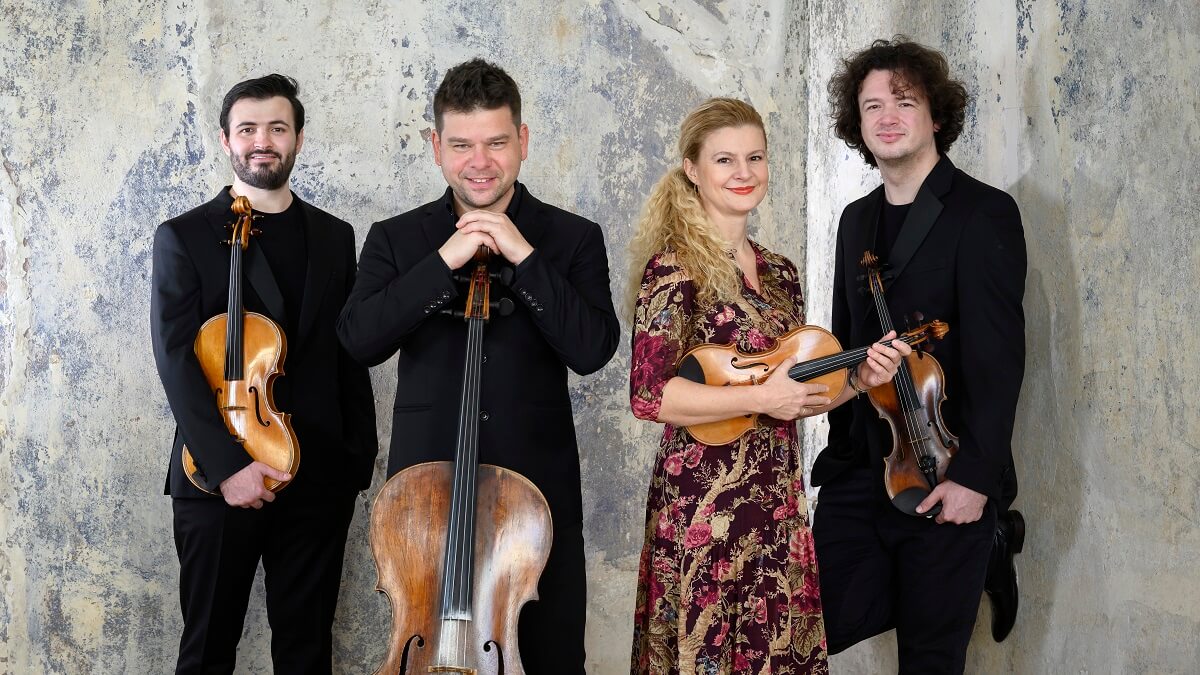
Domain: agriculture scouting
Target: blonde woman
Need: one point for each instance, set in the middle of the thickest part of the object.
(728, 578)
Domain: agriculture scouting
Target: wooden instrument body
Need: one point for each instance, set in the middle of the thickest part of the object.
(919, 432)
(726, 365)
(247, 404)
(409, 532)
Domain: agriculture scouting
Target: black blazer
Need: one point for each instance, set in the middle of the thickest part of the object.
(327, 393)
(564, 318)
(960, 257)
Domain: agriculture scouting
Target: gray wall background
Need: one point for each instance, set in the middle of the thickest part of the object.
(1085, 111)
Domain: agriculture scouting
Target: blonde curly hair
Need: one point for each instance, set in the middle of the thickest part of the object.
(674, 218)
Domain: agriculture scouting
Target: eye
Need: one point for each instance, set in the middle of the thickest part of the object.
(757, 158)
(723, 160)
(278, 130)
(496, 145)
(246, 131)
(460, 146)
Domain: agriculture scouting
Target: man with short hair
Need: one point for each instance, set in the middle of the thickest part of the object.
(297, 270)
(564, 318)
(955, 251)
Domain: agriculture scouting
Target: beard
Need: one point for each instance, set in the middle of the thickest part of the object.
(269, 177)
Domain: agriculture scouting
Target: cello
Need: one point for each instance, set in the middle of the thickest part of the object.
(922, 446)
(459, 546)
(241, 354)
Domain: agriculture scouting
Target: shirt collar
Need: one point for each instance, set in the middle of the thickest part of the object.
(513, 209)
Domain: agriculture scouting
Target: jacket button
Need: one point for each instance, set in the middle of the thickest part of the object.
(483, 415)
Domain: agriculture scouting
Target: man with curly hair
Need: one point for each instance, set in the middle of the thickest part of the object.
(953, 249)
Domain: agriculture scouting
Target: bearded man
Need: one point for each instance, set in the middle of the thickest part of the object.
(298, 270)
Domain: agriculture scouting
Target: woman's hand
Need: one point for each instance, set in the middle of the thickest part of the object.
(785, 399)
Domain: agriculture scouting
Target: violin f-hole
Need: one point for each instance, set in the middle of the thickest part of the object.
(408, 645)
(258, 408)
(488, 647)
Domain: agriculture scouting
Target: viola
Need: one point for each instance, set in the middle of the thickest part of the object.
(459, 546)
(823, 363)
(241, 354)
(922, 446)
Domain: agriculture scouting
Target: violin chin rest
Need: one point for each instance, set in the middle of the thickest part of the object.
(908, 501)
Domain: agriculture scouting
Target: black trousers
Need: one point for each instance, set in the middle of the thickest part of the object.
(882, 569)
(550, 632)
(300, 540)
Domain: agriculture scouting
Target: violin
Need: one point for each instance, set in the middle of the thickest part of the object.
(241, 354)
(922, 446)
(459, 546)
(825, 363)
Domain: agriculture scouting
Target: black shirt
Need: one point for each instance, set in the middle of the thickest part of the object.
(285, 246)
(890, 221)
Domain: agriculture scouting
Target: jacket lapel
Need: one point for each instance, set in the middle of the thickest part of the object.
(254, 264)
(921, 217)
(321, 247)
(531, 219)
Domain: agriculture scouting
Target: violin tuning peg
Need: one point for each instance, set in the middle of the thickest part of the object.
(918, 317)
(255, 231)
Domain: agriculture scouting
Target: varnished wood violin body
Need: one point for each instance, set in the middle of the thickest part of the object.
(821, 362)
(911, 404)
(241, 354)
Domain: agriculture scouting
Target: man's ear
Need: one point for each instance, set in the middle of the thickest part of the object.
(436, 140)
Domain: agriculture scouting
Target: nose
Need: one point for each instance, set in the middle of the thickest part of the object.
(479, 157)
(262, 139)
(741, 170)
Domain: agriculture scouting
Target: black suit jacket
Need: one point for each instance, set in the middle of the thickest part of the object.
(327, 393)
(564, 318)
(960, 257)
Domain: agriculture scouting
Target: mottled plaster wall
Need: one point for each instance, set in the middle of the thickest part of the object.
(1087, 113)
(108, 126)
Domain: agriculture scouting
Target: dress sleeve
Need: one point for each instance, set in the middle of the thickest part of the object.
(661, 319)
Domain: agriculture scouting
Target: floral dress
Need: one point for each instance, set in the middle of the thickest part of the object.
(728, 576)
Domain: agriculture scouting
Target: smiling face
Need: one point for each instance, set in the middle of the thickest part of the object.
(730, 171)
(896, 123)
(262, 141)
(480, 153)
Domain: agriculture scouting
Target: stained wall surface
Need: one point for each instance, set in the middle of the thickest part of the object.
(1084, 112)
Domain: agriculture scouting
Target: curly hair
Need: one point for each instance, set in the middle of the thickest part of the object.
(913, 66)
(674, 218)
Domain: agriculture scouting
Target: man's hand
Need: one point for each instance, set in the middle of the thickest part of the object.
(505, 238)
(785, 399)
(460, 248)
(960, 505)
(245, 488)
(882, 362)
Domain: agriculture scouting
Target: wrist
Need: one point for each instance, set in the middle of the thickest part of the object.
(856, 382)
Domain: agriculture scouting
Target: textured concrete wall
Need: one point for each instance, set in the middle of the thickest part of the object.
(1085, 111)
(108, 126)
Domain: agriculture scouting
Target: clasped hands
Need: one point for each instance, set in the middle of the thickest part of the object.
(484, 228)
(786, 399)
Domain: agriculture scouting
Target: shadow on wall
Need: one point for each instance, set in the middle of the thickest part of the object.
(1046, 441)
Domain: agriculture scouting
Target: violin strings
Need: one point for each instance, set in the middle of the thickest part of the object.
(904, 386)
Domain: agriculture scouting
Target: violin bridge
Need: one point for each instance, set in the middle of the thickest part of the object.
(452, 669)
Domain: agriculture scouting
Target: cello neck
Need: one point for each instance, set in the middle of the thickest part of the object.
(459, 563)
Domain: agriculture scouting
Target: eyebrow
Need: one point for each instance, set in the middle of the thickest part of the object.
(493, 139)
(249, 123)
(760, 151)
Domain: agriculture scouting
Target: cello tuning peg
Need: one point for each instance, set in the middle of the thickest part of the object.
(503, 276)
(504, 306)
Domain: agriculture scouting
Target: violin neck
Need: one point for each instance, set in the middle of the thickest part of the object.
(808, 370)
(457, 577)
(234, 319)
(905, 390)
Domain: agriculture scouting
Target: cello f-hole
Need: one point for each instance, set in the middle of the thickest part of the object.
(488, 647)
